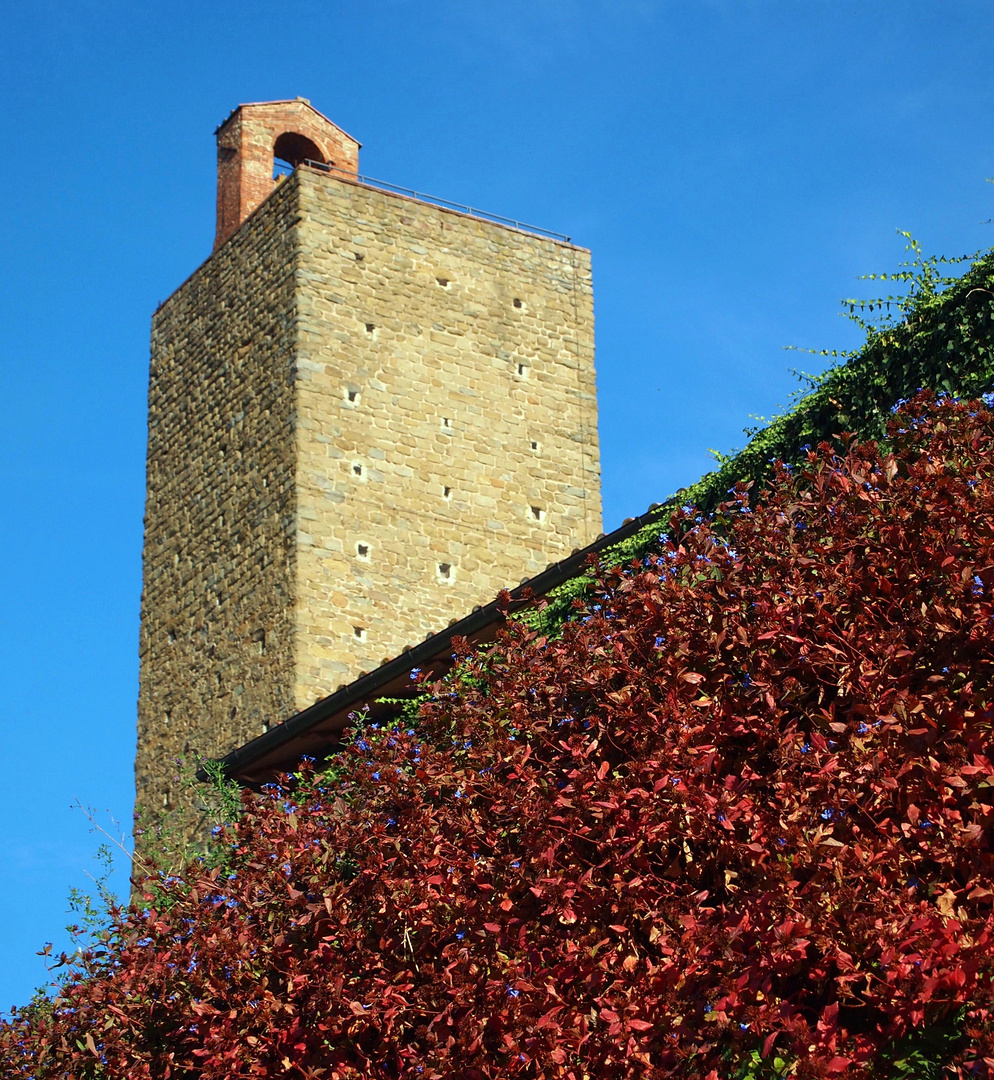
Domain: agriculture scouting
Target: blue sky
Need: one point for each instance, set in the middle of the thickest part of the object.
(732, 164)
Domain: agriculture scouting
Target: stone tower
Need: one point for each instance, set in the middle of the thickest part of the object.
(368, 413)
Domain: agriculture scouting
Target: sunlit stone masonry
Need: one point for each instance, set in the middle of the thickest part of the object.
(368, 413)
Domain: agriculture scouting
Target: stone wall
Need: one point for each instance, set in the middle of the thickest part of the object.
(367, 414)
(216, 627)
(447, 433)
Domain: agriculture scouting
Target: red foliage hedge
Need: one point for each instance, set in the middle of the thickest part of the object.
(736, 821)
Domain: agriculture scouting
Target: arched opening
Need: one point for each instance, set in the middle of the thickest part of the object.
(290, 149)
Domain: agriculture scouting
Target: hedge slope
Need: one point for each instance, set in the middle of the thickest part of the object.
(939, 337)
(736, 820)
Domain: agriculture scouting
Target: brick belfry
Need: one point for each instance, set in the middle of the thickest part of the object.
(368, 413)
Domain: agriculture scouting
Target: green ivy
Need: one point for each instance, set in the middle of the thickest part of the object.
(924, 1053)
(936, 336)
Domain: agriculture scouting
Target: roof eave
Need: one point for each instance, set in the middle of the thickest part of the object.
(314, 730)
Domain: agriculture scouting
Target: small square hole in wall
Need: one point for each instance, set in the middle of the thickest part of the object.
(172, 637)
(445, 571)
(362, 550)
(446, 423)
(443, 281)
(370, 327)
(359, 632)
(357, 469)
(352, 395)
(523, 371)
(517, 302)
(358, 256)
(446, 492)
(538, 513)
(535, 445)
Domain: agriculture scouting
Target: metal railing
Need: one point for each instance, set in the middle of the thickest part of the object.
(385, 185)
